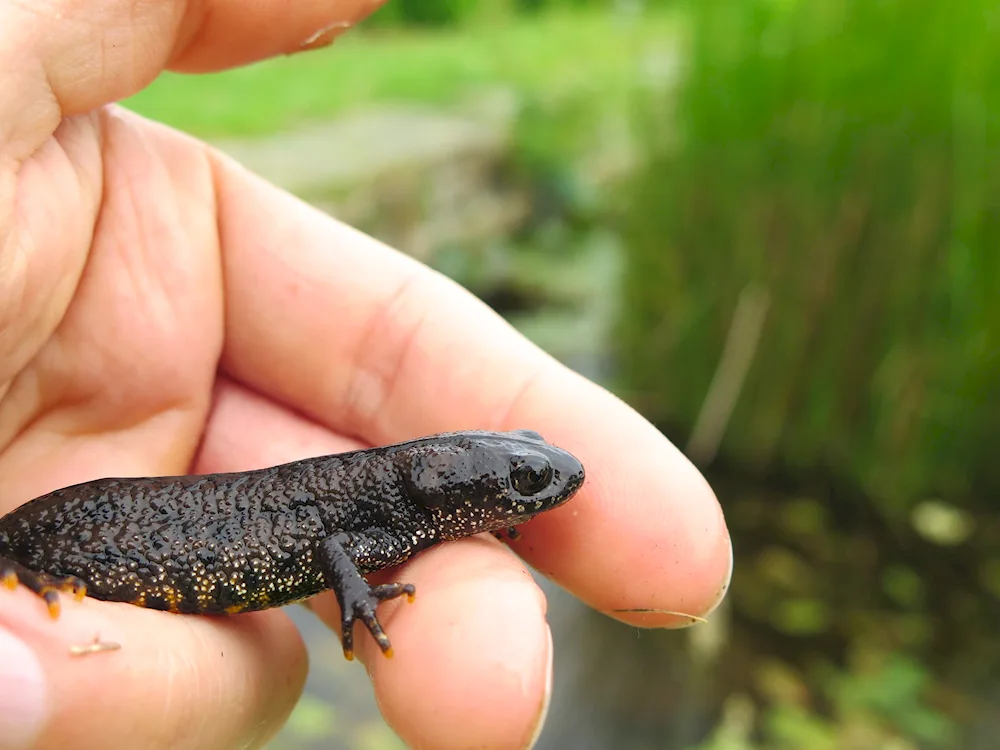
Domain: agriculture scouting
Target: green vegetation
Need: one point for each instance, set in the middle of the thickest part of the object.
(549, 55)
(841, 159)
(824, 193)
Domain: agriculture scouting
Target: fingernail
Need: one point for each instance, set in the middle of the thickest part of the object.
(23, 694)
(543, 711)
(324, 37)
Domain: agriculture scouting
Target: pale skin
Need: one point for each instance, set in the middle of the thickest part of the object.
(163, 311)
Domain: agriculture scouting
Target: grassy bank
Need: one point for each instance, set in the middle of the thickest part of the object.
(552, 55)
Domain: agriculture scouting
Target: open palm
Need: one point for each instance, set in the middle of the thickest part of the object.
(163, 311)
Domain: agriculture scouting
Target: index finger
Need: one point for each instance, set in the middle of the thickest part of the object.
(372, 344)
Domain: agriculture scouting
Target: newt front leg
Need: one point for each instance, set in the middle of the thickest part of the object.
(357, 598)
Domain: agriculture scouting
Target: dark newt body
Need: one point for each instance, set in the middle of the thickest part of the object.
(239, 542)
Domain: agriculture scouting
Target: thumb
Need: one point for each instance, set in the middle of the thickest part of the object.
(171, 682)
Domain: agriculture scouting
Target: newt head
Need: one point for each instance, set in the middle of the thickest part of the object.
(472, 482)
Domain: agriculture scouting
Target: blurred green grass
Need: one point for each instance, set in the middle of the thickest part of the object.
(564, 52)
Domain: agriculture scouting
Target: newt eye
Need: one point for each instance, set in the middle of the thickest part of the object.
(530, 474)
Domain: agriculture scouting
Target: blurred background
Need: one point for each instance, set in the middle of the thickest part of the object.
(769, 225)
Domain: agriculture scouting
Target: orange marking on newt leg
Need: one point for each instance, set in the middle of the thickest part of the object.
(10, 580)
(51, 597)
(73, 586)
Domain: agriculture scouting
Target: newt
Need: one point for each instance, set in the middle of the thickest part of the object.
(245, 541)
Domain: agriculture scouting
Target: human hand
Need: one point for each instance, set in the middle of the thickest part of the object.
(163, 311)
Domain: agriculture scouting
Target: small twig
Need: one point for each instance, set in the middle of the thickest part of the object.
(96, 647)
